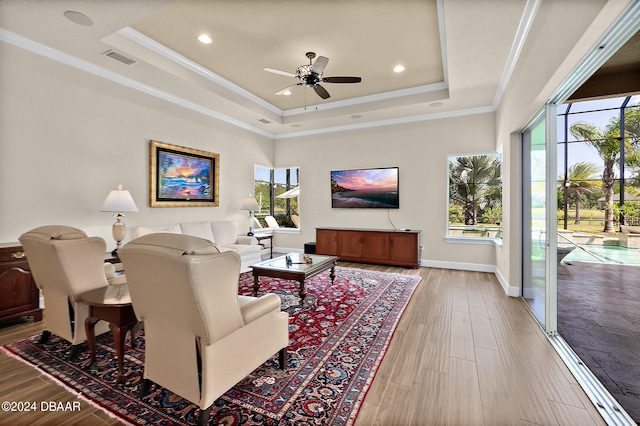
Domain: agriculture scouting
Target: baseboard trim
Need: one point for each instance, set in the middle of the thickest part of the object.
(509, 290)
(477, 267)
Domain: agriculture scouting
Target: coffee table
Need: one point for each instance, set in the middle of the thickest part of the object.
(111, 304)
(296, 271)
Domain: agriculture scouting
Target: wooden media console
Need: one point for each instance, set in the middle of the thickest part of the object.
(382, 246)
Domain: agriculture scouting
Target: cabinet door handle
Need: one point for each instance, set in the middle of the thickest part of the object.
(17, 255)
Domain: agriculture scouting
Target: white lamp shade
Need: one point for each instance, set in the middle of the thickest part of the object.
(249, 203)
(119, 200)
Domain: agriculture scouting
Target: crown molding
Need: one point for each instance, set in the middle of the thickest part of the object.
(369, 98)
(530, 10)
(190, 65)
(389, 122)
(66, 59)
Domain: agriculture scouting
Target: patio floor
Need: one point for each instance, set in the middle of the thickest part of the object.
(599, 316)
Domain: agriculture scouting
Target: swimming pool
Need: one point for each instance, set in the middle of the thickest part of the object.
(610, 254)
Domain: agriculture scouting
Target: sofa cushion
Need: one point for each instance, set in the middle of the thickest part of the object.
(225, 232)
(154, 229)
(198, 229)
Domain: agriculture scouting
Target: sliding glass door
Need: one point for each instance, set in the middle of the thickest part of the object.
(539, 283)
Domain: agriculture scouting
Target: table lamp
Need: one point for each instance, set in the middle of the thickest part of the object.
(250, 204)
(118, 201)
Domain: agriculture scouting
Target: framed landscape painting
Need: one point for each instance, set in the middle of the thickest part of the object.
(182, 177)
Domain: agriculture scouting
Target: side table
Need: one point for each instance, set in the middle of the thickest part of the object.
(111, 304)
(19, 295)
(265, 237)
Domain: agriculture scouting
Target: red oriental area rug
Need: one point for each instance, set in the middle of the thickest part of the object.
(337, 342)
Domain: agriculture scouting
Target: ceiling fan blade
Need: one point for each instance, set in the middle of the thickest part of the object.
(275, 71)
(321, 91)
(283, 91)
(342, 79)
(319, 65)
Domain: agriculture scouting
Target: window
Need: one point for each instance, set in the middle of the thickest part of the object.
(475, 196)
(276, 191)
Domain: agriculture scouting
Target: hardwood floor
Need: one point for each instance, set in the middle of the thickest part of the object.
(463, 354)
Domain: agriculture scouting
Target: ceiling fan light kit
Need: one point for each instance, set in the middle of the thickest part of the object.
(311, 76)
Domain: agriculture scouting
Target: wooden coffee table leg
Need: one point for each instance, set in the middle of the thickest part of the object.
(89, 329)
(332, 273)
(256, 285)
(301, 292)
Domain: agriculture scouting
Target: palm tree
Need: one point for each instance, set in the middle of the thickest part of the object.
(472, 183)
(607, 143)
(581, 181)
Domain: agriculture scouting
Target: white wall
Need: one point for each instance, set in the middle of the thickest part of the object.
(561, 35)
(67, 138)
(420, 150)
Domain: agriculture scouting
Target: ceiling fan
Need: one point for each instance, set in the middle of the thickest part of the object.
(311, 75)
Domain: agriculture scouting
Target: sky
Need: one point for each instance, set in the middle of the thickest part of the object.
(280, 176)
(580, 111)
(367, 179)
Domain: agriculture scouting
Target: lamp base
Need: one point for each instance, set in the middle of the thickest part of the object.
(250, 234)
(118, 230)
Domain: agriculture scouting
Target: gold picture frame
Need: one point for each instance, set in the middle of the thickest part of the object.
(182, 177)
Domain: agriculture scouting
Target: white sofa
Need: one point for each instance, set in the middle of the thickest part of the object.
(223, 233)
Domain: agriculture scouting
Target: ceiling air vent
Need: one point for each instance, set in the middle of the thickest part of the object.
(119, 57)
(264, 120)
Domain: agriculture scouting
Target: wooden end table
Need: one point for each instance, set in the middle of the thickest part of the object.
(269, 237)
(297, 271)
(111, 304)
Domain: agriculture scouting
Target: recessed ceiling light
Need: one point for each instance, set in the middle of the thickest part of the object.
(286, 92)
(356, 116)
(435, 104)
(78, 18)
(204, 39)
(398, 68)
(295, 125)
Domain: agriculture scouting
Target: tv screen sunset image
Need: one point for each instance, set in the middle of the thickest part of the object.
(365, 188)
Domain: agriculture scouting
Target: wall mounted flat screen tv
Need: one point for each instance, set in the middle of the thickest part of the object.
(365, 188)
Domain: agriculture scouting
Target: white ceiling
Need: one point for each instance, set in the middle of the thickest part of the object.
(457, 54)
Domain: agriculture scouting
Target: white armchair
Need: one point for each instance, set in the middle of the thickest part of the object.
(65, 264)
(201, 337)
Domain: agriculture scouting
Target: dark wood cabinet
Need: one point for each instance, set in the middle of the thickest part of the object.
(327, 241)
(387, 247)
(350, 244)
(19, 295)
(404, 247)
